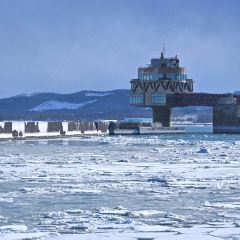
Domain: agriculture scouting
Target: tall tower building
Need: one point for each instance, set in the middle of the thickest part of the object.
(156, 84)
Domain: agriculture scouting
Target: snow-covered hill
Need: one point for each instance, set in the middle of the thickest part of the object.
(87, 105)
(81, 105)
(57, 105)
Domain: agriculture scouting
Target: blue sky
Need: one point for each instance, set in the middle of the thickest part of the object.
(67, 46)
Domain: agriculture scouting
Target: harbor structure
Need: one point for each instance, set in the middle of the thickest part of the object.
(162, 78)
(226, 116)
(164, 84)
(38, 129)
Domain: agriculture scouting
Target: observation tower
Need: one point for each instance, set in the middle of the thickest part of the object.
(156, 83)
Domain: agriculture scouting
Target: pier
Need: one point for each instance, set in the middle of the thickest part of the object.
(30, 129)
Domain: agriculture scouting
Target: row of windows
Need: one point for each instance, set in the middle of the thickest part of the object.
(159, 99)
(138, 99)
(155, 76)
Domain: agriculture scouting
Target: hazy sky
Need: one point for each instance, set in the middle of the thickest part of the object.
(72, 45)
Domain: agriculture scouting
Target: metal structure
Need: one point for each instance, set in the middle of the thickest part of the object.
(164, 84)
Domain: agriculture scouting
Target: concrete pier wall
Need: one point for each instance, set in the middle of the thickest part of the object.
(31, 127)
(21, 129)
(54, 127)
(162, 115)
(2, 130)
(8, 127)
(226, 118)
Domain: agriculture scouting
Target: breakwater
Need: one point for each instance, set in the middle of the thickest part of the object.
(34, 129)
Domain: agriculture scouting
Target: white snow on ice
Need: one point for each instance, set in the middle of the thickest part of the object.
(154, 187)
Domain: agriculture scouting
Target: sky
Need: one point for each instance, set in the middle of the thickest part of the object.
(66, 46)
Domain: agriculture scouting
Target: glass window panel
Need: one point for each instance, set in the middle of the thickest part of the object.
(159, 99)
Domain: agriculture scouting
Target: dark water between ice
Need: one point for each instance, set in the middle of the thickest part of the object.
(153, 187)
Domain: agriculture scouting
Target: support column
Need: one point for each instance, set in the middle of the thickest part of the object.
(162, 115)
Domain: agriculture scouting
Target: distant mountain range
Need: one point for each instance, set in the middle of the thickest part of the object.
(87, 105)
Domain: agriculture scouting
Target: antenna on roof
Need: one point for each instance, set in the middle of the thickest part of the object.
(164, 49)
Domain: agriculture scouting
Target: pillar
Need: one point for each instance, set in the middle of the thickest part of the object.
(162, 115)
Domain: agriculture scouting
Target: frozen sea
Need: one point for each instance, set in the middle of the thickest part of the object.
(172, 187)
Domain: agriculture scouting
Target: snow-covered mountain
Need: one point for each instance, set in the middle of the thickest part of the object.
(87, 105)
(80, 105)
(57, 105)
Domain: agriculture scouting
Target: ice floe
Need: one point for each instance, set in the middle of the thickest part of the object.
(121, 188)
(14, 228)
